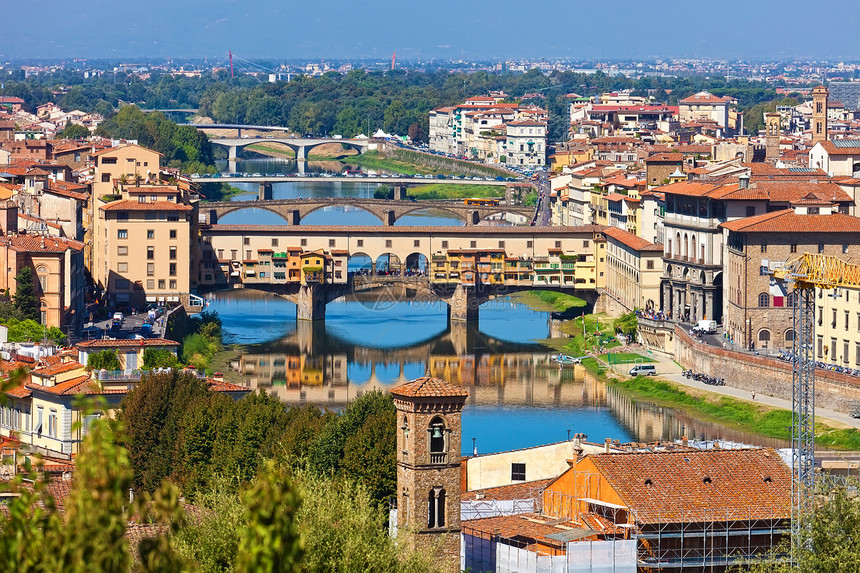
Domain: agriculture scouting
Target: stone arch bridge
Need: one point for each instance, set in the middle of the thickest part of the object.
(386, 210)
(301, 146)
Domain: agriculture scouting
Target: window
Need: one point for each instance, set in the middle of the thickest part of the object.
(764, 336)
(105, 177)
(763, 300)
(416, 243)
(304, 242)
(857, 353)
(359, 242)
(161, 284)
(150, 253)
(518, 472)
(436, 507)
(444, 244)
(846, 320)
(274, 242)
(584, 244)
(173, 283)
(473, 244)
(172, 233)
(248, 255)
(387, 243)
(173, 269)
(331, 243)
(122, 216)
(794, 247)
(820, 346)
(833, 349)
(763, 248)
(150, 269)
(173, 218)
(530, 244)
(649, 265)
(845, 351)
(246, 240)
(220, 254)
(751, 211)
(122, 250)
(52, 424)
(820, 247)
(122, 233)
(120, 268)
(501, 244)
(150, 233)
(844, 247)
(173, 252)
(108, 160)
(150, 283)
(558, 244)
(141, 199)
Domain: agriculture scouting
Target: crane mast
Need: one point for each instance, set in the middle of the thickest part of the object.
(804, 275)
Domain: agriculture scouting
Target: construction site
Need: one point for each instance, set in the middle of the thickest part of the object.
(641, 511)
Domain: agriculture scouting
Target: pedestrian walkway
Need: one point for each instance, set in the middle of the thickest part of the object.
(669, 370)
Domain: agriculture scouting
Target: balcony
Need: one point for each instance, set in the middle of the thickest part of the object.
(438, 458)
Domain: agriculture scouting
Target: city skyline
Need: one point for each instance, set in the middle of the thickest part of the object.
(274, 30)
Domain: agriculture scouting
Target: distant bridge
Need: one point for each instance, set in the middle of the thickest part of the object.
(386, 210)
(300, 146)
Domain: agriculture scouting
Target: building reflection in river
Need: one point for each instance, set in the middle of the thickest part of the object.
(312, 365)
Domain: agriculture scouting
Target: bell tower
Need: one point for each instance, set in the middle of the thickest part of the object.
(819, 114)
(428, 467)
(772, 138)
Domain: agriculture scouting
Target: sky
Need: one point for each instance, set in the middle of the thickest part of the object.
(442, 29)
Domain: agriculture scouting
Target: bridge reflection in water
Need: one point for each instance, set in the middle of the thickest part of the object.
(312, 365)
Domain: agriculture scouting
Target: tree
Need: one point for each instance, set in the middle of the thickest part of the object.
(271, 540)
(159, 358)
(104, 360)
(73, 131)
(627, 323)
(152, 413)
(26, 302)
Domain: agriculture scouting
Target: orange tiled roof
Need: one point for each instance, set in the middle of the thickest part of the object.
(38, 243)
(678, 487)
(101, 343)
(221, 386)
(629, 239)
(427, 387)
(788, 221)
(78, 385)
(128, 205)
(57, 368)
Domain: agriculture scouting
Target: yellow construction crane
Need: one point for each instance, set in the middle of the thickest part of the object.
(804, 274)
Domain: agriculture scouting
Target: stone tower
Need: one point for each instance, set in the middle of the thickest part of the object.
(428, 467)
(819, 114)
(772, 140)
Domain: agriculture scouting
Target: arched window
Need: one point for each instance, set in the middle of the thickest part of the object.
(764, 335)
(436, 508)
(763, 300)
(438, 439)
(789, 301)
(789, 336)
(42, 275)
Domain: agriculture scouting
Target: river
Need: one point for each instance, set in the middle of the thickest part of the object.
(518, 397)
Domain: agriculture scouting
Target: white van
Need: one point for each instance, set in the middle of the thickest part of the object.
(643, 370)
(707, 326)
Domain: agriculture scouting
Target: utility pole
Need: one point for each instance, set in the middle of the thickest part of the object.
(231, 63)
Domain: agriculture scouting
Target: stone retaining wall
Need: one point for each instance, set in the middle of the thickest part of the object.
(833, 390)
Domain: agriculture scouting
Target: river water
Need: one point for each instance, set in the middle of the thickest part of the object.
(518, 397)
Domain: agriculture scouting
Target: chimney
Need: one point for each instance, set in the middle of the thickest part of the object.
(607, 445)
(744, 181)
(716, 445)
(684, 441)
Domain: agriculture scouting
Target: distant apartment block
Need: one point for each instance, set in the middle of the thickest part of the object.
(485, 130)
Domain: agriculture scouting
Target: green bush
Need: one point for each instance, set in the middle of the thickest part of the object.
(104, 360)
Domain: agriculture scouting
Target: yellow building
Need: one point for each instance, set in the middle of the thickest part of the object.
(634, 268)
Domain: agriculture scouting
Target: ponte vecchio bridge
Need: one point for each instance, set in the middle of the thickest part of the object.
(463, 266)
(386, 210)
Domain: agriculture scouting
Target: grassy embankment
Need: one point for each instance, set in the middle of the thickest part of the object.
(413, 162)
(740, 414)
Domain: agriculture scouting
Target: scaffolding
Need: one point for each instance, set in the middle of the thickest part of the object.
(595, 535)
(803, 412)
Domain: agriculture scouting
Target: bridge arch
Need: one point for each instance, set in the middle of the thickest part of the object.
(356, 204)
(459, 215)
(345, 143)
(258, 205)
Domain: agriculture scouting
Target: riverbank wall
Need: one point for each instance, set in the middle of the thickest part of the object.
(834, 390)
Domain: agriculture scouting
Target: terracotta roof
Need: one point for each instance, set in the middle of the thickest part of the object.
(78, 385)
(525, 490)
(703, 97)
(834, 149)
(677, 487)
(526, 527)
(672, 157)
(20, 391)
(221, 386)
(57, 368)
(788, 221)
(629, 239)
(38, 243)
(427, 387)
(118, 147)
(57, 190)
(136, 190)
(101, 343)
(128, 205)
